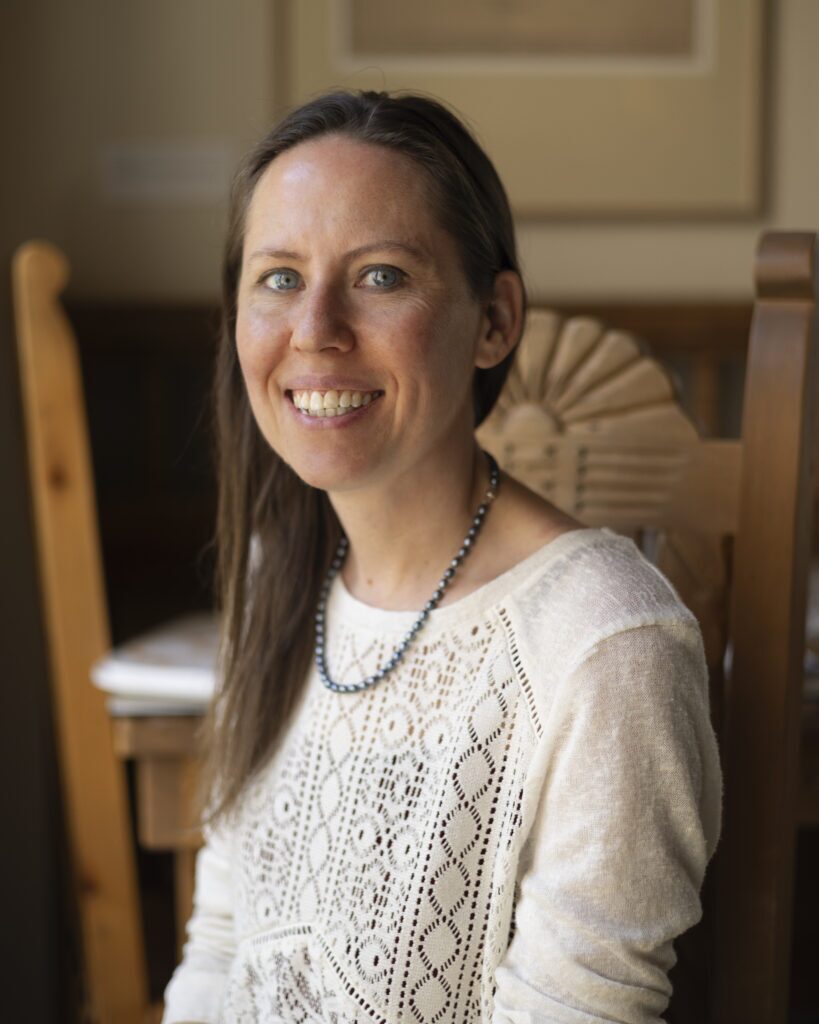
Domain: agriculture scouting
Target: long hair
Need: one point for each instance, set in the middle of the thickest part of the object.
(276, 535)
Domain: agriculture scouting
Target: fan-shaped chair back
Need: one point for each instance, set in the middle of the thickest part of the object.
(590, 420)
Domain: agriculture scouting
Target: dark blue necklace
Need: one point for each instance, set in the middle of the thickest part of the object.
(399, 652)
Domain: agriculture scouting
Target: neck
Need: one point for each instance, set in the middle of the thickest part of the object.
(403, 535)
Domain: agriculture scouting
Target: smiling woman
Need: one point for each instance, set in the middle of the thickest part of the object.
(428, 796)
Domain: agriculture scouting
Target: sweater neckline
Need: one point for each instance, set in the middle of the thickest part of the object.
(343, 607)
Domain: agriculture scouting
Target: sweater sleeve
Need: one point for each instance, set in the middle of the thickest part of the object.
(628, 816)
(194, 993)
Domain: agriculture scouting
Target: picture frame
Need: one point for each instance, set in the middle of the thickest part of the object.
(671, 131)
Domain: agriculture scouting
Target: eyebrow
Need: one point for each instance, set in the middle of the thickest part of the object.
(387, 245)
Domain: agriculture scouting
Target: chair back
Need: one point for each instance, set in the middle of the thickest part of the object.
(76, 624)
(593, 423)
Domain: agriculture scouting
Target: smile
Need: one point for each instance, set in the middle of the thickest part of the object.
(331, 403)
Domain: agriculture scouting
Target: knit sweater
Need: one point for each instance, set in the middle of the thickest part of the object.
(513, 826)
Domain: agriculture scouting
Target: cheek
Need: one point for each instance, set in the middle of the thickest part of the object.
(255, 346)
(445, 349)
(433, 334)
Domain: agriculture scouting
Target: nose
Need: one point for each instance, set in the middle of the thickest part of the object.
(321, 322)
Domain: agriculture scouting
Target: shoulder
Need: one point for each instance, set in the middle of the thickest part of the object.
(597, 582)
(595, 586)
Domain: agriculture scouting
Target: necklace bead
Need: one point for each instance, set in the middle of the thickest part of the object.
(423, 615)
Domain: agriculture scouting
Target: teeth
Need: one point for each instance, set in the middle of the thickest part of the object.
(332, 402)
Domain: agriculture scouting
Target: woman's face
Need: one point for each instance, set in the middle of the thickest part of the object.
(353, 302)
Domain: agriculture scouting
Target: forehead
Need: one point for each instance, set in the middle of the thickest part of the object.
(335, 185)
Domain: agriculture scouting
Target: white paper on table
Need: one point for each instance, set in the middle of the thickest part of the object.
(163, 671)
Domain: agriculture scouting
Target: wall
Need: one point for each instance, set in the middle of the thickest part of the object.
(201, 72)
(92, 74)
(709, 258)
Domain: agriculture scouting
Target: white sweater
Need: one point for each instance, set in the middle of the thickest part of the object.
(511, 827)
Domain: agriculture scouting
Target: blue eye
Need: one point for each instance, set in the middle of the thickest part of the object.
(384, 277)
(282, 280)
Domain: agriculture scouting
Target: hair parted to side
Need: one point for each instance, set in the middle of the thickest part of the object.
(268, 599)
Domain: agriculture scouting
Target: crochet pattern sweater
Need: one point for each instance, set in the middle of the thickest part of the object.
(512, 827)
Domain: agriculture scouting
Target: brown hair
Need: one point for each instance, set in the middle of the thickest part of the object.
(268, 600)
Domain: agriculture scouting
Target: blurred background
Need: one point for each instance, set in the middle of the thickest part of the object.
(643, 159)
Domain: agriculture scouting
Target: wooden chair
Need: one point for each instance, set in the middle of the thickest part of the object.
(93, 778)
(592, 422)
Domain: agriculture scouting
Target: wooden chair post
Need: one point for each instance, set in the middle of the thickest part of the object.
(77, 628)
(760, 744)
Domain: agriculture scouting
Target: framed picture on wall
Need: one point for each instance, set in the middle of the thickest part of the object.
(587, 107)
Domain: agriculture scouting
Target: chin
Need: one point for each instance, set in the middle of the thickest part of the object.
(327, 473)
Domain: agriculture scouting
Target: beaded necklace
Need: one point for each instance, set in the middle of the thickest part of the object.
(399, 652)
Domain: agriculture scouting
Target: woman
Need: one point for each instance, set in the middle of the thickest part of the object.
(462, 767)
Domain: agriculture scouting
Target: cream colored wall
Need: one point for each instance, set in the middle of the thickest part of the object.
(92, 73)
(195, 71)
(701, 259)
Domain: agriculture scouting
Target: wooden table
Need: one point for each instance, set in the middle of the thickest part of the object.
(165, 755)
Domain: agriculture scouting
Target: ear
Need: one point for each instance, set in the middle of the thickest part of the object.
(502, 320)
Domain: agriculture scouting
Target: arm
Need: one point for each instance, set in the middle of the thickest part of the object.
(628, 817)
(194, 993)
